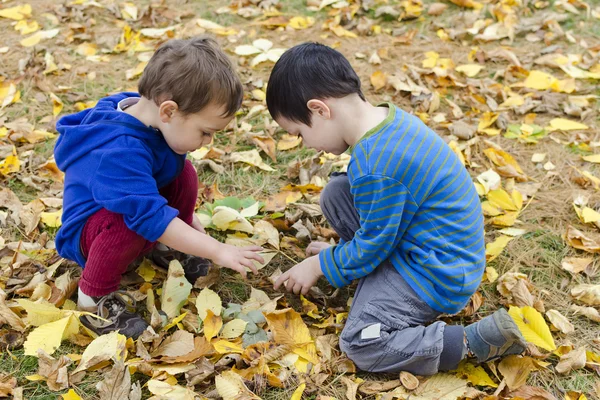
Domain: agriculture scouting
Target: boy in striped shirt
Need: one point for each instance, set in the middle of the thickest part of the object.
(408, 216)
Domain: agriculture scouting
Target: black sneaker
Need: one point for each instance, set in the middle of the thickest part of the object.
(193, 267)
(119, 311)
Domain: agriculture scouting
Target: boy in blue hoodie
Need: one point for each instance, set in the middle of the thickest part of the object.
(128, 184)
(408, 216)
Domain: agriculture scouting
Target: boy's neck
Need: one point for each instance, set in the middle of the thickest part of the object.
(359, 117)
(145, 111)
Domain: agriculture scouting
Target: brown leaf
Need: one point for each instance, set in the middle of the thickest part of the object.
(515, 370)
(587, 293)
(30, 215)
(589, 312)
(581, 241)
(532, 393)
(54, 370)
(575, 359)
(7, 316)
(351, 387)
(375, 387)
(178, 344)
(560, 321)
(117, 384)
(474, 303)
(201, 348)
(7, 384)
(408, 380)
(437, 9)
(521, 295)
(266, 144)
(576, 265)
(378, 80)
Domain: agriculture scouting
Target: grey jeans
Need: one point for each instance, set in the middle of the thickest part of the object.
(387, 327)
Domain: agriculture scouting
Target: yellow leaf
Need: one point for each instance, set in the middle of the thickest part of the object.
(301, 22)
(226, 218)
(493, 249)
(41, 313)
(505, 164)
(129, 11)
(468, 4)
(230, 386)
(589, 215)
(309, 308)
(288, 327)
(234, 328)
(533, 327)
(594, 158)
(166, 390)
(70, 395)
(16, 13)
(499, 198)
(587, 293)
(110, 346)
(37, 37)
(539, 80)
(174, 322)
(474, 374)
(341, 32)
(175, 290)
(470, 70)
(288, 142)
(52, 219)
(515, 370)
(566, 125)
(378, 80)
(267, 232)
(491, 274)
(57, 104)
(226, 347)
(146, 271)
(486, 120)
(508, 219)
(212, 325)
(49, 336)
(208, 300)
(27, 27)
(250, 157)
(10, 164)
(137, 71)
(87, 49)
(297, 395)
(430, 60)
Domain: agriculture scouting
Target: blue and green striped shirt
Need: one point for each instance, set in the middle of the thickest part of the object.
(418, 208)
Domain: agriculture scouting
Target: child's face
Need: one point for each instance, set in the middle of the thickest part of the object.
(188, 133)
(323, 134)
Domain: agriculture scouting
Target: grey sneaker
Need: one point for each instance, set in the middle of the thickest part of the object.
(119, 311)
(495, 336)
(193, 267)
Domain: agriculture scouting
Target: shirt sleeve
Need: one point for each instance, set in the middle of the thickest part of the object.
(385, 207)
(123, 183)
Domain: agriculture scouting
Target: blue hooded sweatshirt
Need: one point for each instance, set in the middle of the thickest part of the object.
(112, 160)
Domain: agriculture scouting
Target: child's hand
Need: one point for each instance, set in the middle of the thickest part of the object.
(315, 248)
(301, 277)
(238, 258)
(197, 225)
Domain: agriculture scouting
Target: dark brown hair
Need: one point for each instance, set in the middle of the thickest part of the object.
(193, 73)
(309, 71)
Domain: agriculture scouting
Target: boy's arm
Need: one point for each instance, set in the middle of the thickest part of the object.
(385, 207)
(182, 237)
(123, 183)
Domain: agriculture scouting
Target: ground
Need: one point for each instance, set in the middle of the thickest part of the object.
(420, 51)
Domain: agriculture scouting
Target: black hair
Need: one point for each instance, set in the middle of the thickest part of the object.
(309, 71)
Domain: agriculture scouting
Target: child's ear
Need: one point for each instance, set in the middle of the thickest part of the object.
(319, 108)
(167, 110)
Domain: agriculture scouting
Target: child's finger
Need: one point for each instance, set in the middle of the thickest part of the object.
(254, 256)
(297, 288)
(305, 290)
(242, 270)
(281, 279)
(254, 248)
(248, 263)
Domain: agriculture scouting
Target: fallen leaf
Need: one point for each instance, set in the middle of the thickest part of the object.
(267, 232)
(288, 142)
(226, 218)
(493, 249)
(476, 375)
(576, 265)
(587, 293)
(408, 380)
(516, 370)
(378, 80)
(175, 290)
(231, 387)
(212, 325)
(297, 395)
(106, 347)
(70, 395)
(532, 393)
(505, 164)
(178, 344)
(566, 125)
(589, 312)
(116, 384)
(208, 300)
(532, 327)
(16, 13)
(170, 392)
(233, 328)
(48, 337)
(573, 360)
(470, 70)
(581, 241)
(441, 386)
(560, 321)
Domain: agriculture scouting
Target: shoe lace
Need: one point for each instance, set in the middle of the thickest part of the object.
(112, 306)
